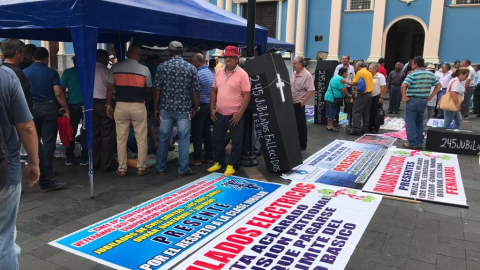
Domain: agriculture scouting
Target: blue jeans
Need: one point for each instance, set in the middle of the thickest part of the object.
(414, 113)
(450, 116)
(45, 117)
(201, 132)
(332, 110)
(439, 96)
(9, 201)
(167, 119)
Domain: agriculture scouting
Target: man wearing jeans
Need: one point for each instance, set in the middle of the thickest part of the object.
(15, 118)
(131, 81)
(177, 89)
(47, 93)
(419, 84)
(71, 84)
(228, 101)
(201, 123)
(469, 88)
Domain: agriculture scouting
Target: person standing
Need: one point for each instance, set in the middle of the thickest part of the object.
(71, 85)
(416, 93)
(131, 81)
(47, 93)
(457, 64)
(228, 101)
(445, 78)
(457, 92)
(13, 51)
(28, 57)
(177, 90)
(103, 126)
(336, 89)
(350, 75)
(218, 64)
(303, 89)
(361, 106)
(381, 67)
(407, 67)
(379, 89)
(469, 88)
(394, 81)
(476, 98)
(201, 123)
(211, 66)
(15, 121)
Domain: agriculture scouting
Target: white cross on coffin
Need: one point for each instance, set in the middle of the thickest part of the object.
(280, 86)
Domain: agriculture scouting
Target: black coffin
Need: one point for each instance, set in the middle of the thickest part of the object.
(323, 75)
(453, 141)
(273, 114)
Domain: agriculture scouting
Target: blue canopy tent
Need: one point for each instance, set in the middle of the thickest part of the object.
(88, 22)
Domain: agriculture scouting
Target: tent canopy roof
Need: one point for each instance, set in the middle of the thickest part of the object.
(195, 21)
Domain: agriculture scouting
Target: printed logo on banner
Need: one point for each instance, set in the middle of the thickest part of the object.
(421, 175)
(162, 231)
(302, 172)
(294, 229)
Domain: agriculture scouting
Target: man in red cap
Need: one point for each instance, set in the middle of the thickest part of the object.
(228, 101)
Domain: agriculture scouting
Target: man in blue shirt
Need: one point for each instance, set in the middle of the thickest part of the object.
(177, 84)
(46, 92)
(15, 121)
(201, 124)
(71, 83)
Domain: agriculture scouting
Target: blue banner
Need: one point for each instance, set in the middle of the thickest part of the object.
(161, 232)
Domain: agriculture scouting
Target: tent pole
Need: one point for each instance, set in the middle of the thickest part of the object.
(248, 156)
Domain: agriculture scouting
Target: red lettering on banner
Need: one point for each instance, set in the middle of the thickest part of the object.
(450, 181)
(348, 161)
(233, 244)
(390, 176)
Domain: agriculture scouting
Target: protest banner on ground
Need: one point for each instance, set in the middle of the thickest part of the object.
(376, 139)
(309, 111)
(159, 233)
(438, 123)
(401, 135)
(305, 226)
(393, 123)
(341, 163)
(421, 175)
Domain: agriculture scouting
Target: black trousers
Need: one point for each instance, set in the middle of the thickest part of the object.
(476, 100)
(220, 128)
(104, 136)
(373, 113)
(301, 123)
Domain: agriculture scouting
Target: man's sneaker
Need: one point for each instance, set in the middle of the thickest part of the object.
(83, 162)
(230, 171)
(195, 162)
(144, 172)
(187, 173)
(215, 167)
(54, 185)
(69, 162)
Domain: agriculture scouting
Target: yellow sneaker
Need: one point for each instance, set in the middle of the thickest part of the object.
(215, 167)
(229, 171)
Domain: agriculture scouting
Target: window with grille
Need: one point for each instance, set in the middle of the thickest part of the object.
(360, 4)
(467, 2)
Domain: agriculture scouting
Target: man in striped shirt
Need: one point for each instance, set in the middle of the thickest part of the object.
(202, 123)
(416, 93)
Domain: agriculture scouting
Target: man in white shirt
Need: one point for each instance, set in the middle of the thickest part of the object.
(104, 137)
(444, 79)
(469, 88)
(379, 89)
(476, 98)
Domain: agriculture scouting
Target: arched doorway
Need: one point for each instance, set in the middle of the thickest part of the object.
(405, 39)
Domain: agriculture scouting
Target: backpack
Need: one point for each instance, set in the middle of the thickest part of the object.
(3, 159)
(361, 86)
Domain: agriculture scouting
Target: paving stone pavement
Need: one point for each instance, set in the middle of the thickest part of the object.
(401, 235)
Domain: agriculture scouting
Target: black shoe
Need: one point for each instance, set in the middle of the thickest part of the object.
(189, 172)
(390, 112)
(54, 185)
(353, 133)
(108, 169)
(374, 132)
(397, 112)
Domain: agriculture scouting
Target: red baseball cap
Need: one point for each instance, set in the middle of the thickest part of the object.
(231, 51)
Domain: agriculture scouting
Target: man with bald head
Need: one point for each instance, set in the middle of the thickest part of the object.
(131, 82)
(201, 123)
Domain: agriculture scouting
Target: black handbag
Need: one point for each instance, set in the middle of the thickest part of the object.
(380, 119)
(336, 101)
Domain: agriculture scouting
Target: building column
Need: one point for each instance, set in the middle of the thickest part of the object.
(377, 31)
(335, 25)
(301, 20)
(279, 28)
(432, 38)
(27, 41)
(238, 9)
(61, 48)
(228, 6)
(290, 29)
(220, 4)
